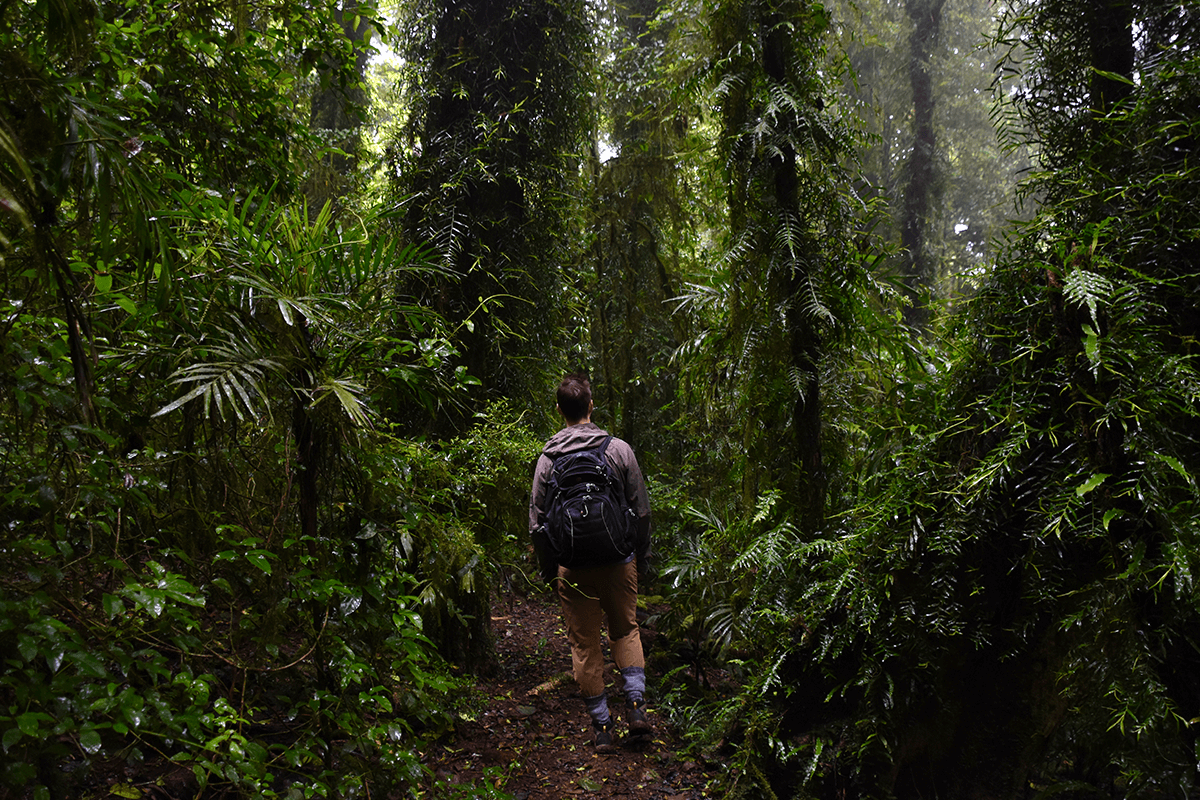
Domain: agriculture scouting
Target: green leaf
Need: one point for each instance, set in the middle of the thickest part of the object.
(27, 646)
(89, 740)
(89, 664)
(29, 722)
(1091, 346)
(127, 305)
(347, 393)
(259, 559)
(1091, 483)
(1114, 76)
(134, 714)
(113, 606)
(9, 145)
(1174, 464)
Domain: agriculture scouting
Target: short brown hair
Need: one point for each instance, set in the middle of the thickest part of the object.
(574, 397)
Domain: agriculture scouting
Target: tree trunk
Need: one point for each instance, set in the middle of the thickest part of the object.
(920, 191)
(1112, 51)
(633, 198)
(804, 340)
(337, 109)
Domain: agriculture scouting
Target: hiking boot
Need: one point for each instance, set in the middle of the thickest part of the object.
(635, 717)
(603, 737)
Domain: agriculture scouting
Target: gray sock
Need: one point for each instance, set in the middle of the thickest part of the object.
(598, 708)
(635, 684)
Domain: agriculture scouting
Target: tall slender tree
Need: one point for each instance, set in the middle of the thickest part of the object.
(499, 113)
(339, 106)
(634, 236)
(791, 274)
(921, 190)
(921, 83)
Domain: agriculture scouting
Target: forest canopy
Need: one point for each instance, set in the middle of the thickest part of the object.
(895, 301)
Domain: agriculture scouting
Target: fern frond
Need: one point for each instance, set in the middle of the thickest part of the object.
(771, 551)
(814, 306)
(1088, 288)
(782, 101)
(730, 82)
(790, 235)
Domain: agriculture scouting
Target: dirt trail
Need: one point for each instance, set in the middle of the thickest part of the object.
(531, 738)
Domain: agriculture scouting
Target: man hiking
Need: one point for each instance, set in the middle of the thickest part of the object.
(589, 517)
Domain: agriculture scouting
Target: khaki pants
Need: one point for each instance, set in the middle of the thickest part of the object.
(587, 595)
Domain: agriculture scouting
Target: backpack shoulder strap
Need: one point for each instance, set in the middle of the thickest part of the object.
(604, 445)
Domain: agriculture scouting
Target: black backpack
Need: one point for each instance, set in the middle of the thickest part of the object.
(588, 520)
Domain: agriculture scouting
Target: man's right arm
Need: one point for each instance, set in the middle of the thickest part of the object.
(537, 492)
(547, 566)
(639, 500)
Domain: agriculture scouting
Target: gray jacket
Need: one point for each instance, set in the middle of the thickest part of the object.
(620, 456)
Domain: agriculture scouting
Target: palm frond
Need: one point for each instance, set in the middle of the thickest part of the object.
(349, 396)
(230, 376)
(311, 308)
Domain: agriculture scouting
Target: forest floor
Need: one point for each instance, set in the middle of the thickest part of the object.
(530, 736)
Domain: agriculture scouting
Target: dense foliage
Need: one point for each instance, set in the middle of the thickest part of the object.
(222, 558)
(1009, 607)
(266, 399)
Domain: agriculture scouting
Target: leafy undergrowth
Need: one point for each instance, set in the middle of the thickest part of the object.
(527, 735)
